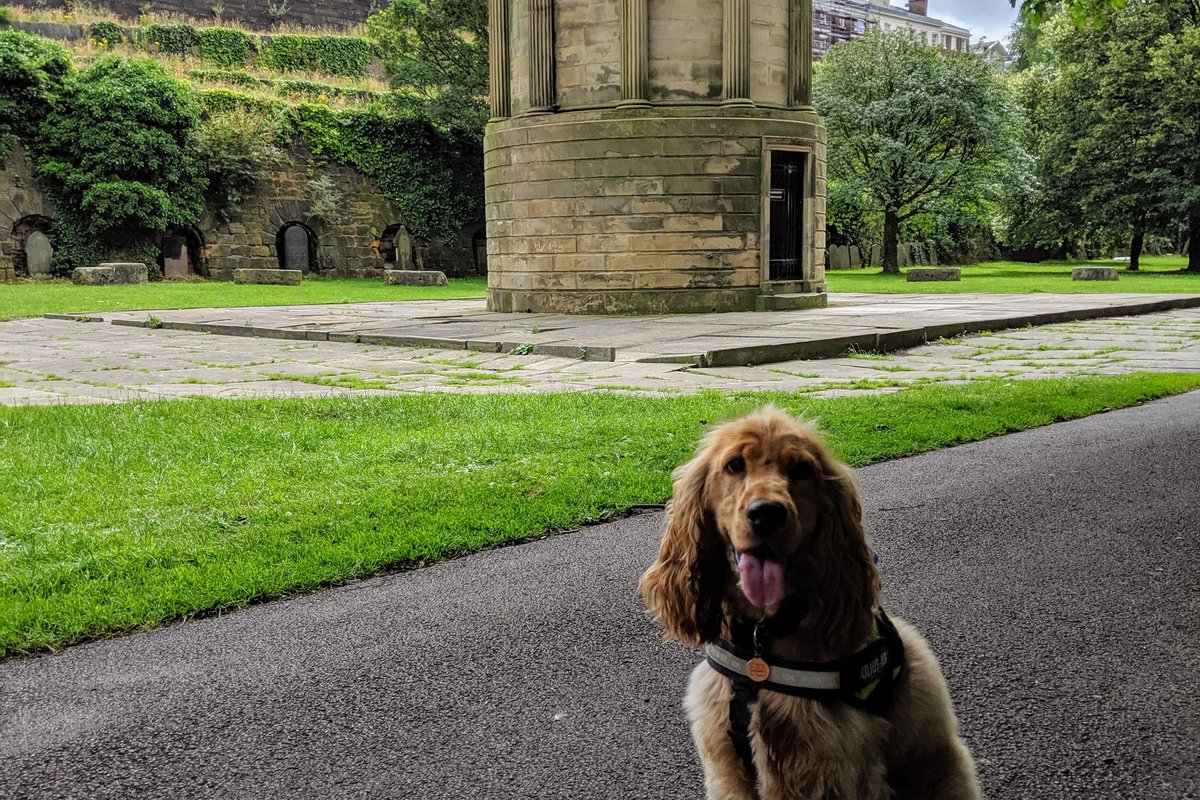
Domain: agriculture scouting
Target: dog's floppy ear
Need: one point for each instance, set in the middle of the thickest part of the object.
(846, 582)
(684, 588)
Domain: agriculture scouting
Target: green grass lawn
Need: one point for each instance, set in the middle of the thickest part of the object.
(1159, 274)
(122, 516)
(34, 298)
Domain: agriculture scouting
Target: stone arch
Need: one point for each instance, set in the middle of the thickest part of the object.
(479, 249)
(182, 253)
(296, 247)
(22, 230)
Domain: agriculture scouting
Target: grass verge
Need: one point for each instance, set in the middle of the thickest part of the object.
(34, 298)
(1158, 275)
(123, 516)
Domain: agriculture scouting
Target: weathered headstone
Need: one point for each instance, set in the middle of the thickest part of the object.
(916, 255)
(414, 277)
(273, 277)
(1094, 274)
(921, 274)
(113, 272)
(855, 257)
(876, 256)
(904, 255)
(404, 249)
(840, 256)
(175, 257)
(39, 255)
(295, 249)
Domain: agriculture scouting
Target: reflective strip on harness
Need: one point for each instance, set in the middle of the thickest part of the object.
(825, 680)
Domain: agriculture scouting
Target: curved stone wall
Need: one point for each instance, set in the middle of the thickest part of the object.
(629, 157)
(639, 210)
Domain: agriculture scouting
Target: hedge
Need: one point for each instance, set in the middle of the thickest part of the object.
(174, 38)
(333, 55)
(225, 47)
(106, 33)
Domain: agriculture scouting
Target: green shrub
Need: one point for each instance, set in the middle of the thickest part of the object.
(33, 72)
(6, 15)
(333, 55)
(225, 47)
(312, 89)
(116, 159)
(106, 33)
(175, 38)
(435, 179)
(233, 76)
(216, 101)
(234, 145)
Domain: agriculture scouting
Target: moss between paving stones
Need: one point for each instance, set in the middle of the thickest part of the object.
(120, 517)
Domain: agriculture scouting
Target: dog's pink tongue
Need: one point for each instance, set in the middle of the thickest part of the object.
(762, 580)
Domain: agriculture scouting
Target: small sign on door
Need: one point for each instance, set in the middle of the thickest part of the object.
(778, 194)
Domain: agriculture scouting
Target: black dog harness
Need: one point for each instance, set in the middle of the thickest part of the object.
(865, 680)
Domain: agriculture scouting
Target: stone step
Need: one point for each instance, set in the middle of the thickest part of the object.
(792, 301)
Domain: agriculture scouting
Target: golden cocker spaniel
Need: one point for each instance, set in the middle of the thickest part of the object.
(808, 691)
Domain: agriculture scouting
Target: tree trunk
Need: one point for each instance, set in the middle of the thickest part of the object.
(891, 242)
(1135, 247)
(1194, 239)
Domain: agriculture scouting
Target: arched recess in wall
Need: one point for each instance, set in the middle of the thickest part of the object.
(32, 258)
(181, 254)
(479, 249)
(396, 247)
(296, 248)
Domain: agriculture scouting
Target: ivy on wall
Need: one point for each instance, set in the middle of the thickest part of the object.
(106, 33)
(174, 38)
(225, 47)
(334, 55)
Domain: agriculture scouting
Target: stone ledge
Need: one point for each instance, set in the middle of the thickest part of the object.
(110, 273)
(921, 274)
(414, 277)
(1094, 274)
(272, 277)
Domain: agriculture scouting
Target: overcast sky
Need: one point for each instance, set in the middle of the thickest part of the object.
(988, 18)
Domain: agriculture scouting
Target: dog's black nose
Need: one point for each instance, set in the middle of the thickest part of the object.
(765, 515)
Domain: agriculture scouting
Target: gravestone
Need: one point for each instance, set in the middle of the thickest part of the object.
(404, 249)
(924, 274)
(270, 277)
(840, 256)
(855, 257)
(175, 257)
(1094, 274)
(876, 256)
(111, 272)
(295, 249)
(39, 255)
(904, 255)
(916, 255)
(414, 277)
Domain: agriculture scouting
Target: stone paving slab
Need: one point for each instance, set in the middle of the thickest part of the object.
(872, 322)
(49, 361)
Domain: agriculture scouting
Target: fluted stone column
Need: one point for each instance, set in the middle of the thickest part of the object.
(735, 46)
(498, 74)
(800, 48)
(635, 49)
(541, 56)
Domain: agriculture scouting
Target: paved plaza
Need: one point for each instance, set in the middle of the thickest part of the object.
(50, 361)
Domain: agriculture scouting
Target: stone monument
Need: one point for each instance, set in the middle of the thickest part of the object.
(653, 157)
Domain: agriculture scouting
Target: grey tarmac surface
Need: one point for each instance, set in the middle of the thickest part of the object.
(1054, 572)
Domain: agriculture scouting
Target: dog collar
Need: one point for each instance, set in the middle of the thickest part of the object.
(864, 679)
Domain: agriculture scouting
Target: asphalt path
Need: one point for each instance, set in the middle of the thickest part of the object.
(1054, 572)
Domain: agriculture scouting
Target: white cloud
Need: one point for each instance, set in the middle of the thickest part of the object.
(990, 19)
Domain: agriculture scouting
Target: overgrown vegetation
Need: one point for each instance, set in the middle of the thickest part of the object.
(184, 507)
(127, 150)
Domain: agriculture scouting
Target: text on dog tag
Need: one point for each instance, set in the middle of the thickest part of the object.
(757, 670)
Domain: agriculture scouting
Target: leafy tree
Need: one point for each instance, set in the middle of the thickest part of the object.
(115, 159)
(32, 73)
(437, 52)
(912, 130)
(1116, 123)
(1081, 11)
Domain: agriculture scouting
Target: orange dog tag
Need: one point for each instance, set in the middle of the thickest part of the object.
(757, 670)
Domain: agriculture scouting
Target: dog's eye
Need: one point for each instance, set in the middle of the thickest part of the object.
(802, 471)
(735, 466)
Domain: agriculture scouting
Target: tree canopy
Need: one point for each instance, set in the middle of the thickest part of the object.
(912, 130)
